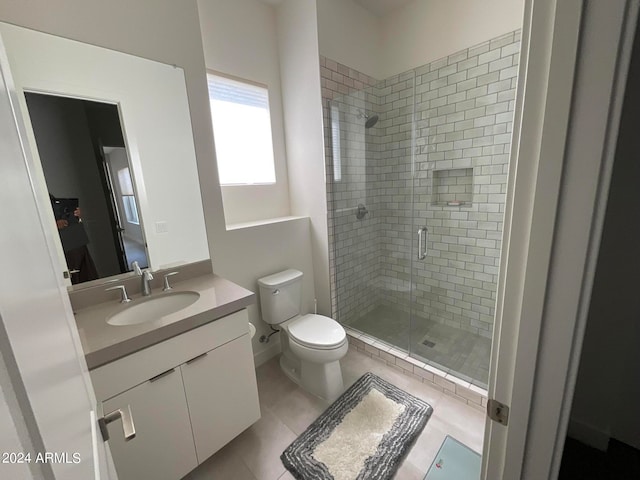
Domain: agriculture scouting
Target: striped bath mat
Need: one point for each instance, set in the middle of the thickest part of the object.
(363, 435)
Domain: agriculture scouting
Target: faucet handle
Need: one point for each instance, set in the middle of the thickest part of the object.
(166, 281)
(136, 268)
(124, 298)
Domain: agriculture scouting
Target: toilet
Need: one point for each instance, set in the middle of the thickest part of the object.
(312, 345)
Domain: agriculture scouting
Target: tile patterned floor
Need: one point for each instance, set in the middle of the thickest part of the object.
(287, 410)
(457, 351)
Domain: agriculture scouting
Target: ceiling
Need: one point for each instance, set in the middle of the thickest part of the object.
(382, 7)
(378, 7)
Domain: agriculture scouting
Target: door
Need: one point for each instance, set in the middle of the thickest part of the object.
(114, 217)
(38, 332)
(159, 412)
(574, 61)
(222, 394)
(126, 207)
(370, 213)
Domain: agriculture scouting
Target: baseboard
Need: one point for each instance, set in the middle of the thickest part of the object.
(267, 354)
(588, 435)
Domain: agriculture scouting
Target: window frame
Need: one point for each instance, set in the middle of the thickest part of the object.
(235, 78)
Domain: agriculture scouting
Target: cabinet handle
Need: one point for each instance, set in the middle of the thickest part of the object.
(194, 359)
(163, 374)
(128, 427)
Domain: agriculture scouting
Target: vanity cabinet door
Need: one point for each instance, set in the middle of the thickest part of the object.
(163, 446)
(222, 395)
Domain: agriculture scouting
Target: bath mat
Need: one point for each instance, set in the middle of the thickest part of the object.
(454, 461)
(363, 435)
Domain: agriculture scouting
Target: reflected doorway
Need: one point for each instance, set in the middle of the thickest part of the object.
(85, 163)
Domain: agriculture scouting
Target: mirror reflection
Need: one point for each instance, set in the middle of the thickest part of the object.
(148, 102)
(89, 180)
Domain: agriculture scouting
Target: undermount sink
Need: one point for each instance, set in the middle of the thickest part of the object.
(152, 308)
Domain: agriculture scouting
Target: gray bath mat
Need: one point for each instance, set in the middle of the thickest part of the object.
(363, 435)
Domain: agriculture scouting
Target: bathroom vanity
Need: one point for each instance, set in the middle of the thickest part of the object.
(188, 377)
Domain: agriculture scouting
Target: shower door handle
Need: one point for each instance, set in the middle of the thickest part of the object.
(422, 245)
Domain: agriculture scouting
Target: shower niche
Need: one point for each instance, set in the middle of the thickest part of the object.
(453, 187)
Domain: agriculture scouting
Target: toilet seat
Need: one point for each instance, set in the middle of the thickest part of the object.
(317, 331)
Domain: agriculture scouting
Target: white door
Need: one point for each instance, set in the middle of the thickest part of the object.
(39, 336)
(574, 60)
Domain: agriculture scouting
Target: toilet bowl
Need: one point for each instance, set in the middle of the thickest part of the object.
(312, 345)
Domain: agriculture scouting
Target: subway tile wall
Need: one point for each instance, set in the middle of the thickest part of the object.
(456, 115)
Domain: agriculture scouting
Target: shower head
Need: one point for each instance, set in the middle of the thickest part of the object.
(371, 120)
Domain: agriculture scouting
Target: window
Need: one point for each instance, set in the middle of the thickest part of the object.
(128, 199)
(335, 143)
(242, 131)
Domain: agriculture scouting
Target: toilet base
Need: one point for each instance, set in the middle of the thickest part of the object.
(291, 368)
(324, 380)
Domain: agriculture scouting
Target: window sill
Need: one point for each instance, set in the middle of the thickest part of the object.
(257, 223)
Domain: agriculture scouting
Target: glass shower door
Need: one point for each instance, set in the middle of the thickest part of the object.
(463, 136)
(370, 190)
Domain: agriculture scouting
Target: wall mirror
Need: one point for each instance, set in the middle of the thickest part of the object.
(111, 133)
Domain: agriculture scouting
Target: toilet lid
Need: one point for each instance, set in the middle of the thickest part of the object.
(317, 331)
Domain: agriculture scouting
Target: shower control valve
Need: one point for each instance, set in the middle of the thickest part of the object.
(361, 211)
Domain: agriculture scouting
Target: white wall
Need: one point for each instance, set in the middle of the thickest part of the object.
(258, 251)
(426, 30)
(302, 102)
(411, 36)
(239, 39)
(351, 35)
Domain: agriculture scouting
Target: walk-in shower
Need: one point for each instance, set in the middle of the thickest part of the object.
(425, 154)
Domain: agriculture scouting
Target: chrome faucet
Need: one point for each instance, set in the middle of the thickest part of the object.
(146, 277)
(146, 288)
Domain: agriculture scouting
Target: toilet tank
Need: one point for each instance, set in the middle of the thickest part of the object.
(280, 296)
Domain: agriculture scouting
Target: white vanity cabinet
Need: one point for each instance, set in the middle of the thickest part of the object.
(219, 403)
(163, 446)
(189, 396)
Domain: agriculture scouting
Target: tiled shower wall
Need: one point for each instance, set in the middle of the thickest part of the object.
(461, 108)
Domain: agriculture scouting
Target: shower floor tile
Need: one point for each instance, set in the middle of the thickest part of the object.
(455, 351)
